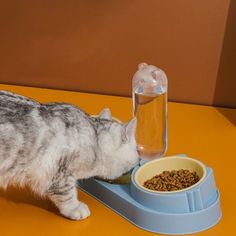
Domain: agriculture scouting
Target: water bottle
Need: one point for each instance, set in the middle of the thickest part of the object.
(150, 108)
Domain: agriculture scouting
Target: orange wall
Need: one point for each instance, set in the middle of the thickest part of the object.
(95, 46)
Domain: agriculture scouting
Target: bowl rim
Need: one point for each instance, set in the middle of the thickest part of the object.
(163, 159)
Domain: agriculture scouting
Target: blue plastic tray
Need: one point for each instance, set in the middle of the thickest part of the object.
(182, 213)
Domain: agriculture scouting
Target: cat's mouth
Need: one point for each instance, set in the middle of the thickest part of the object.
(123, 179)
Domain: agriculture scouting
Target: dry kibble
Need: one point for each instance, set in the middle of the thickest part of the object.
(172, 180)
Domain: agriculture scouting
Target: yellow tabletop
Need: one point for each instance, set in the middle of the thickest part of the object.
(203, 132)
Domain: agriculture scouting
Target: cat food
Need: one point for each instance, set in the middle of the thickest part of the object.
(172, 180)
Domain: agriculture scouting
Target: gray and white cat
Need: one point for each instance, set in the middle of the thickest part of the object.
(49, 146)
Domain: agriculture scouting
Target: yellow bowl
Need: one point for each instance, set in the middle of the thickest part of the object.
(157, 166)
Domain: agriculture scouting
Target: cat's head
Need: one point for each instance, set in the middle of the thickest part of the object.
(117, 145)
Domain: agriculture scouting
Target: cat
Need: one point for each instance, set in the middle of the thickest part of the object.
(48, 147)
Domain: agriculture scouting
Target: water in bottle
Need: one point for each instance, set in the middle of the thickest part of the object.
(150, 109)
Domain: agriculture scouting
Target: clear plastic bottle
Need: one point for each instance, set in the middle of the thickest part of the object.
(150, 109)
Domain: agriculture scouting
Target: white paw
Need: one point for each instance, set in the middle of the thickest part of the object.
(79, 213)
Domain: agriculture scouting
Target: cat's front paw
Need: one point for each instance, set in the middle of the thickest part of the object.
(79, 213)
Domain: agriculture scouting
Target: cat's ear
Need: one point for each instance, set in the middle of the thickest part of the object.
(105, 114)
(130, 128)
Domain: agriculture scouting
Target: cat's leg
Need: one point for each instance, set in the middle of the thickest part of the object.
(64, 194)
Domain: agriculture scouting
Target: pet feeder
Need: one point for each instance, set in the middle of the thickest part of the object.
(185, 211)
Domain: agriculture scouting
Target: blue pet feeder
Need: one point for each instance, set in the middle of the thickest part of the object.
(185, 211)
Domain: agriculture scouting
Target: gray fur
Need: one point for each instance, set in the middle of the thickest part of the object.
(49, 146)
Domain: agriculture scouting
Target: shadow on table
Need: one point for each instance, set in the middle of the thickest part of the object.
(25, 196)
(229, 114)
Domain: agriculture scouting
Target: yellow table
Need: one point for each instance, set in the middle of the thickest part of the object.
(206, 133)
